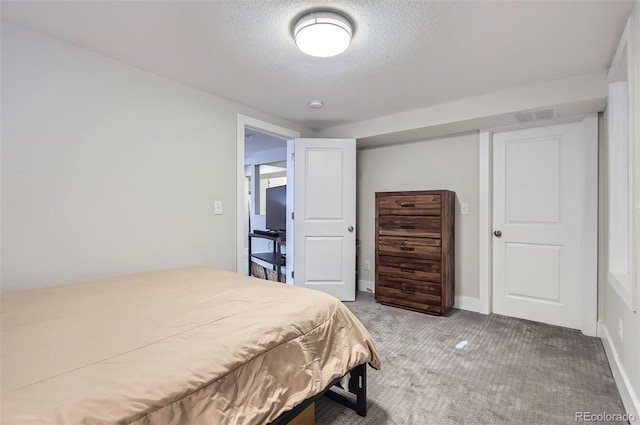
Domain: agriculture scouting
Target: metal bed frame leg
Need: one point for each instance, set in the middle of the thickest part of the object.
(358, 387)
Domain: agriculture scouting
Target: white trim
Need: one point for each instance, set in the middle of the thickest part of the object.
(615, 70)
(589, 247)
(630, 399)
(467, 303)
(367, 286)
(241, 122)
(589, 232)
(633, 80)
(620, 192)
(484, 220)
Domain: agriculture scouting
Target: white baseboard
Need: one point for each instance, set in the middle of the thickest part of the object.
(467, 303)
(628, 395)
(367, 286)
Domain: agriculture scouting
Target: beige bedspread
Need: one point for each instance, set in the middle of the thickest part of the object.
(186, 346)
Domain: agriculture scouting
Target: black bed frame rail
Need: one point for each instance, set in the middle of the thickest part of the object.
(357, 386)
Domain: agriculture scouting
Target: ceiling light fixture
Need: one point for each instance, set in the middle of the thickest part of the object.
(322, 33)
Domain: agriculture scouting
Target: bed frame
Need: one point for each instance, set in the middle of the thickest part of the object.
(357, 386)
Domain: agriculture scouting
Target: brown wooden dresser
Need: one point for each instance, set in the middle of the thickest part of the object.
(415, 250)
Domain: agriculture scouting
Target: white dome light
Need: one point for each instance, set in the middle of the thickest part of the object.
(322, 34)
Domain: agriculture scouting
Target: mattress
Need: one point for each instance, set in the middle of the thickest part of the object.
(187, 346)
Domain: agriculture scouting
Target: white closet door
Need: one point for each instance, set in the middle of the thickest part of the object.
(538, 189)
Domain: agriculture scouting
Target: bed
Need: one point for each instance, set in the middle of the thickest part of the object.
(186, 346)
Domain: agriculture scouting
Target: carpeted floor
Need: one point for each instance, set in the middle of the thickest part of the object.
(510, 371)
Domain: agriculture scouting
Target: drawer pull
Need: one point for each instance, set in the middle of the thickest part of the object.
(405, 288)
(408, 271)
(407, 205)
(406, 248)
(407, 227)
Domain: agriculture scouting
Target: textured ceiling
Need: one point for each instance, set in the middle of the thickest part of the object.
(404, 55)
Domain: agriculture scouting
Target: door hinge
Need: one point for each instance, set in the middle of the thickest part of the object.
(291, 274)
(291, 215)
(293, 156)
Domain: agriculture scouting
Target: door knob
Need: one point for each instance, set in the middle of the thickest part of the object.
(497, 233)
(350, 228)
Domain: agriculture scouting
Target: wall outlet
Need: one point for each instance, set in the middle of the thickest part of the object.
(464, 208)
(217, 207)
(621, 334)
(367, 265)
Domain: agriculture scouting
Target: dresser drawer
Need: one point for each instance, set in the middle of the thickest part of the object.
(410, 268)
(408, 225)
(410, 287)
(409, 205)
(419, 302)
(409, 247)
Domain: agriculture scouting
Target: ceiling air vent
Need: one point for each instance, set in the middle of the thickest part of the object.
(535, 115)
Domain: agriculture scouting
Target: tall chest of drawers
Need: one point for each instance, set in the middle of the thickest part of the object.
(415, 250)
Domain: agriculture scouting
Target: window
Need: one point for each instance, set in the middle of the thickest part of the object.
(620, 185)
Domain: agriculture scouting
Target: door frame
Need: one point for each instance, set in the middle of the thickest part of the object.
(589, 230)
(243, 121)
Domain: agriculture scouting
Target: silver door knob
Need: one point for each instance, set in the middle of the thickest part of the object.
(350, 228)
(497, 233)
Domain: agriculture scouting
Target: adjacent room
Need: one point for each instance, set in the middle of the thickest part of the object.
(320, 212)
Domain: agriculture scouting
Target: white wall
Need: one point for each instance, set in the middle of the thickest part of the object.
(623, 352)
(573, 96)
(443, 163)
(107, 169)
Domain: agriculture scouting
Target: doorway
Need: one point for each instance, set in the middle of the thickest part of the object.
(261, 163)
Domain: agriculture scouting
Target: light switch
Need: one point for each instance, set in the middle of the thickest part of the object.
(217, 207)
(464, 208)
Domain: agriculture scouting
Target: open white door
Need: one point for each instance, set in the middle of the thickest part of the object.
(325, 216)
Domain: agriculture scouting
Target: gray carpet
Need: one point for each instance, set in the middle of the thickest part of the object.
(511, 371)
